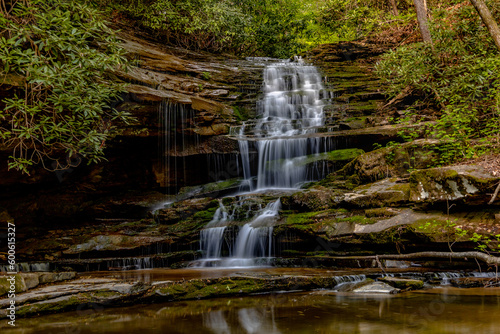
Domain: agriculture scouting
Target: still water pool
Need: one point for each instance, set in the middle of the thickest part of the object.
(439, 310)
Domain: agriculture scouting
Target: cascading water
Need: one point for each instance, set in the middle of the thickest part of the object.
(291, 111)
(254, 239)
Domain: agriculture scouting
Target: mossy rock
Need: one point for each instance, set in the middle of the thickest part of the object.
(468, 183)
(385, 193)
(208, 189)
(403, 283)
(397, 160)
(381, 212)
(337, 159)
(5, 285)
(313, 199)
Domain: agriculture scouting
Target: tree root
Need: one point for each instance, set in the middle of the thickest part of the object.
(495, 194)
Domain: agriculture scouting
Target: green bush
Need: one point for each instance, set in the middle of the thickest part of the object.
(62, 52)
(244, 27)
(350, 20)
(460, 76)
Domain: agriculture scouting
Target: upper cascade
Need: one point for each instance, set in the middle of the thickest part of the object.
(292, 108)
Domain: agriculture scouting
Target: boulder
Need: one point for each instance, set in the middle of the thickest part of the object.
(393, 161)
(376, 287)
(403, 283)
(31, 279)
(469, 184)
(5, 284)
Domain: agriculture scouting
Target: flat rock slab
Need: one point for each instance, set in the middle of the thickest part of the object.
(103, 292)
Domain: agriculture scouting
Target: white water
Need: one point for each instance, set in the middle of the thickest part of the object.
(291, 110)
(292, 107)
(254, 239)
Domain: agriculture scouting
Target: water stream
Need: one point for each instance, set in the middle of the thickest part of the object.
(253, 241)
(290, 111)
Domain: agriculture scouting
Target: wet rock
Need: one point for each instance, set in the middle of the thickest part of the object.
(148, 94)
(403, 283)
(468, 183)
(377, 288)
(112, 242)
(97, 293)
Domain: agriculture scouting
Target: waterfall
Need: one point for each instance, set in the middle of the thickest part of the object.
(290, 113)
(254, 239)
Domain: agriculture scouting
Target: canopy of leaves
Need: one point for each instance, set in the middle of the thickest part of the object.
(62, 52)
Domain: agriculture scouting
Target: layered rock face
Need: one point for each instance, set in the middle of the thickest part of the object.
(184, 103)
(103, 216)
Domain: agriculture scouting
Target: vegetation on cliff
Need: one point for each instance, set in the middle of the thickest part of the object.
(57, 55)
(457, 75)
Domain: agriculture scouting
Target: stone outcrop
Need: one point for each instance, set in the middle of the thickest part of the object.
(469, 184)
(26, 281)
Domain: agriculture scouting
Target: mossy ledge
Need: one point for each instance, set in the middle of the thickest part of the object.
(111, 293)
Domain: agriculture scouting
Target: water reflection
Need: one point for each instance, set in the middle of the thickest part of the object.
(216, 322)
(437, 311)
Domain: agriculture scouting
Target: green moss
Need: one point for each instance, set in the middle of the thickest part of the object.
(291, 252)
(20, 286)
(346, 154)
(380, 212)
(105, 294)
(302, 218)
(240, 113)
(403, 283)
(337, 156)
(55, 307)
(361, 220)
(206, 288)
(205, 215)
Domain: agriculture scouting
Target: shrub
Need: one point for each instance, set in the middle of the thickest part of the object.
(62, 52)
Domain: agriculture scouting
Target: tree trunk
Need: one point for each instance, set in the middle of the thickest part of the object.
(421, 9)
(488, 20)
(489, 259)
(394, 8)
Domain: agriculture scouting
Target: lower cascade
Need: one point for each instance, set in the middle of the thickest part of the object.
(253, 243)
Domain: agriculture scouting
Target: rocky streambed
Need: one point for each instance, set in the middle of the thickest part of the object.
(103, 290)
